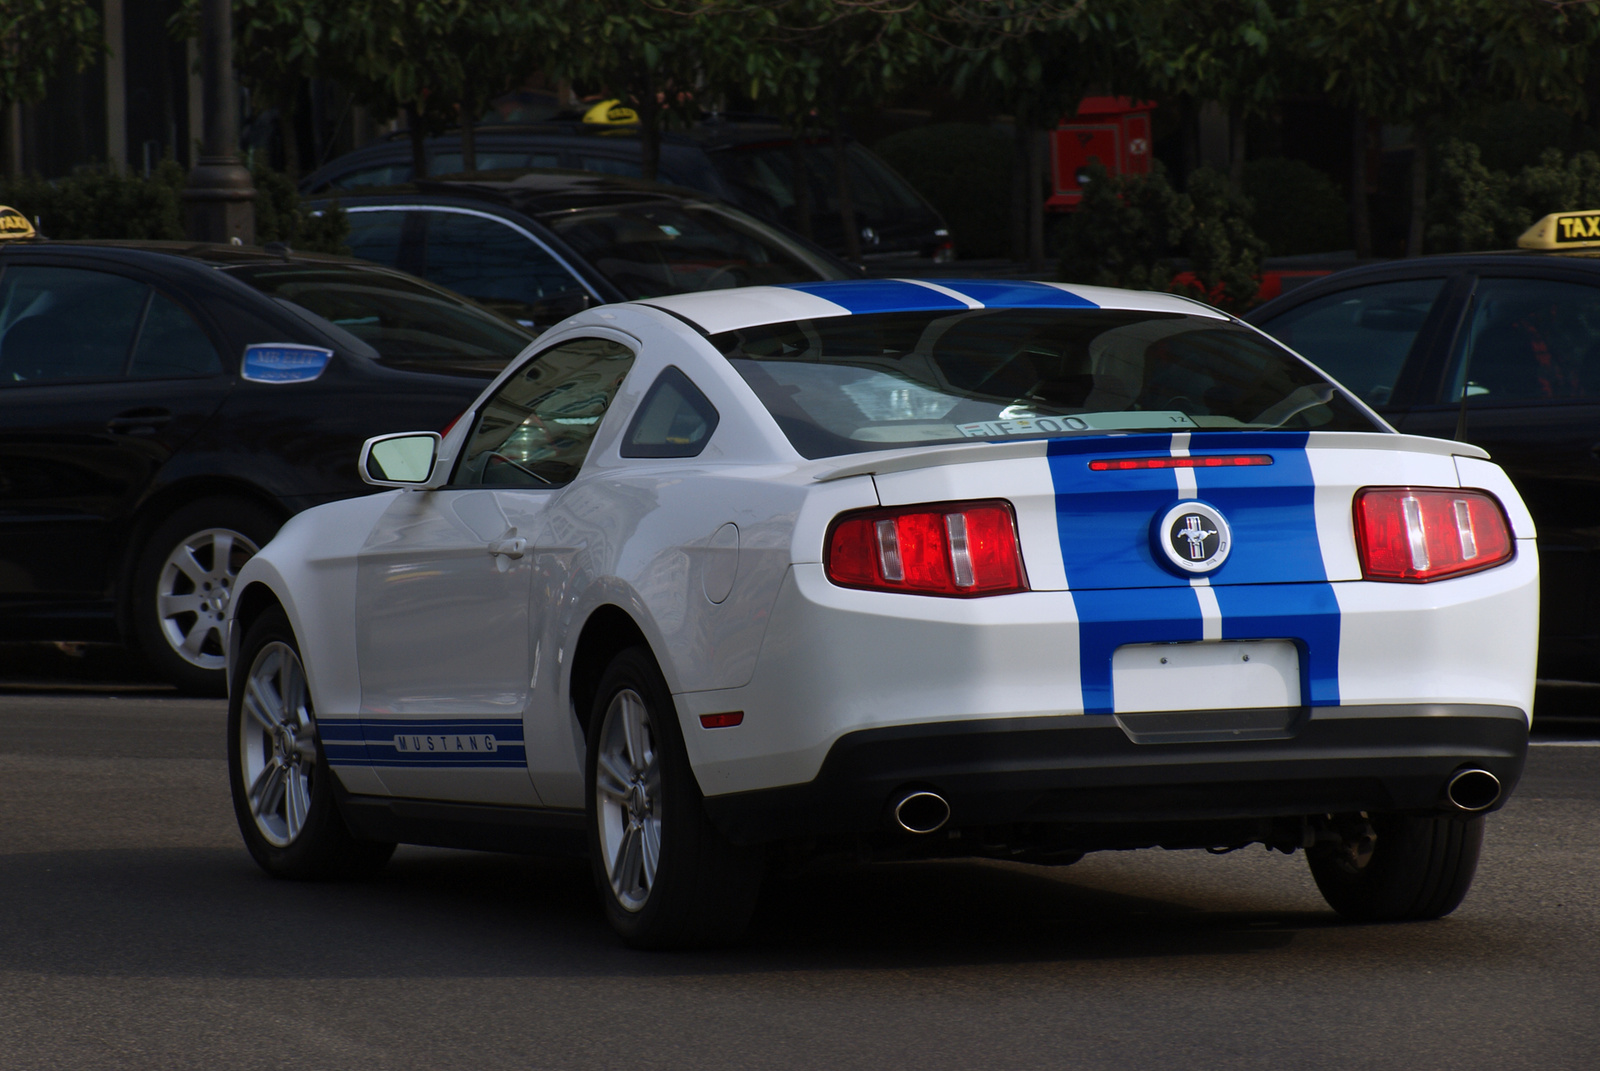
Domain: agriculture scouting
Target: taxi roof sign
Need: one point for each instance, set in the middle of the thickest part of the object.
(14, 224)
(1563, 230)
(610, 113)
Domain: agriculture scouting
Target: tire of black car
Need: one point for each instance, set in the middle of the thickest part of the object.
(160, 587)
(1420, 867)
(701, 889)
(283, 790)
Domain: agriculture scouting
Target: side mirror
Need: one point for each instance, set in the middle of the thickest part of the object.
(403, 460)
(283, 362)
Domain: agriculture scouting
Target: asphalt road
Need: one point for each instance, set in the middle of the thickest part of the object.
(135, 932)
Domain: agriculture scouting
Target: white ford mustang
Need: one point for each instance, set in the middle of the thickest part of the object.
(997, 569)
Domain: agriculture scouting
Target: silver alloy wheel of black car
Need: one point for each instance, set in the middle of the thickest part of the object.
(628, 799)
(193, 590)
(277, 744)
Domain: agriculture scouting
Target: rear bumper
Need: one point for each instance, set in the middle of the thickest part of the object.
(1103, 770)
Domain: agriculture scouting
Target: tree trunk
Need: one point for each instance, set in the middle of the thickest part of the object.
(649, 136)
(1236, 147)
(469, 142)
(802, 187)
(1419, 191)
(291, 142)
(1036, 200)
(1360, 218)
(419, 151)
(847, 207)
(1020, 157)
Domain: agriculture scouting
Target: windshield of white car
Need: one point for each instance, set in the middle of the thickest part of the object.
(663, 247)
(849, 384)
(409, 323)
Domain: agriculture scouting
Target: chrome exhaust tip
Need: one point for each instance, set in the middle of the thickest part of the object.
(1472, 790)
(921, 812)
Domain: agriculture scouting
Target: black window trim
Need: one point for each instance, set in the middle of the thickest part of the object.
(672, 376)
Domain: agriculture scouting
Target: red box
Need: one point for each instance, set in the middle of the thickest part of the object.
(1113, 130)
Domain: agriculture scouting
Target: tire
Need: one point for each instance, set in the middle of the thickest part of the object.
(644, 805)
(283, 790)
(182, 583)
(1419, 867)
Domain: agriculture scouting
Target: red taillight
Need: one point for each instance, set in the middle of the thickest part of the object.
(962, 548)
(1418, 534)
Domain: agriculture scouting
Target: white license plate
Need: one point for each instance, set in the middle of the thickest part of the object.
(1210, 675)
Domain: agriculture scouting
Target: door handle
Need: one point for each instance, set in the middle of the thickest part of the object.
(511, 548)
(135, 420)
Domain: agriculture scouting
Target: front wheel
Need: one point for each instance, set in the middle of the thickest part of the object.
(1395, 867)
(668, 878)
(283, 793)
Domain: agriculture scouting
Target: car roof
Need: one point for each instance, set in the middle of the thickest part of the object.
(715, 311)
(536, 192)
(212, 254)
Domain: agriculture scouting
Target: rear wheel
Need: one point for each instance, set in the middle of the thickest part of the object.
(283, 793)
(668, 878)
(183, 583)
(1394, 867)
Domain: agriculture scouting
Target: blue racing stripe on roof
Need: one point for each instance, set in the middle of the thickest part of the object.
(1013, 294)
(879, 295)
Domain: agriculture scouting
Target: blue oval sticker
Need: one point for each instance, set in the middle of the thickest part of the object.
(284, 362)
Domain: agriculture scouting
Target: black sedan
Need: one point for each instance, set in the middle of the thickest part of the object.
(164, 407)
(1501, 350)
(541, 245)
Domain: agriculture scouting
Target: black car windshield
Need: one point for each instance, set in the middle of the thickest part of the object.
(659, 248)
(407, 322)
(875, 382)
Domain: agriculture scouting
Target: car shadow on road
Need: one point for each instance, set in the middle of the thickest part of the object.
(210, 912)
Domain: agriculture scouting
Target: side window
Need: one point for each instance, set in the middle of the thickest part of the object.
(381, 175)
(611, 165)
(66, 324)
(490, 262)
(1360, 336)
(674, 420)
(172, 345)
(451, 163)
(1528, 340)
(536, 429)
(375, 236)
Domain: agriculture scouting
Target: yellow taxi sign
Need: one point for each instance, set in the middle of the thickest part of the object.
(1563, 230)
(610, 112)
(14, 224)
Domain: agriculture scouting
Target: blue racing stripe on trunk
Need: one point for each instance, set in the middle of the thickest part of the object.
(1109, 619)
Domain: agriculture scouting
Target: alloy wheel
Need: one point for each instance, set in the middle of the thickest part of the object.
(193, 591)
(277, 744)
(628, 799)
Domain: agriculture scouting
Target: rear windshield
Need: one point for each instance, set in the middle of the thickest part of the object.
(649, 250)
(854, 383)
(405, 321)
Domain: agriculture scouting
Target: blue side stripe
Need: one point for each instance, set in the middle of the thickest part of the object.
(995, 294)
(880, 295)
(370, 742)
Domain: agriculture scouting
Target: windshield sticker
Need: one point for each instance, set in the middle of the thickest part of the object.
(1056, 425)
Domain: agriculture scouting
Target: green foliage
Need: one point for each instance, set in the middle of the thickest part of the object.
(1298, 209)
(1513, 134)
(40, 37)
(279, 217)
(1237, 52)
(105, 205)
(964, 169)
(1480, 208)
(1130, 231)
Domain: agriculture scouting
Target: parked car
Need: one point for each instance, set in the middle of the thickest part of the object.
(1500, 350)
(903, 569)
(164, 407)
(759, 167)
(540, 245)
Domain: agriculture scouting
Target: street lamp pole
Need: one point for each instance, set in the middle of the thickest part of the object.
(219, 200)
